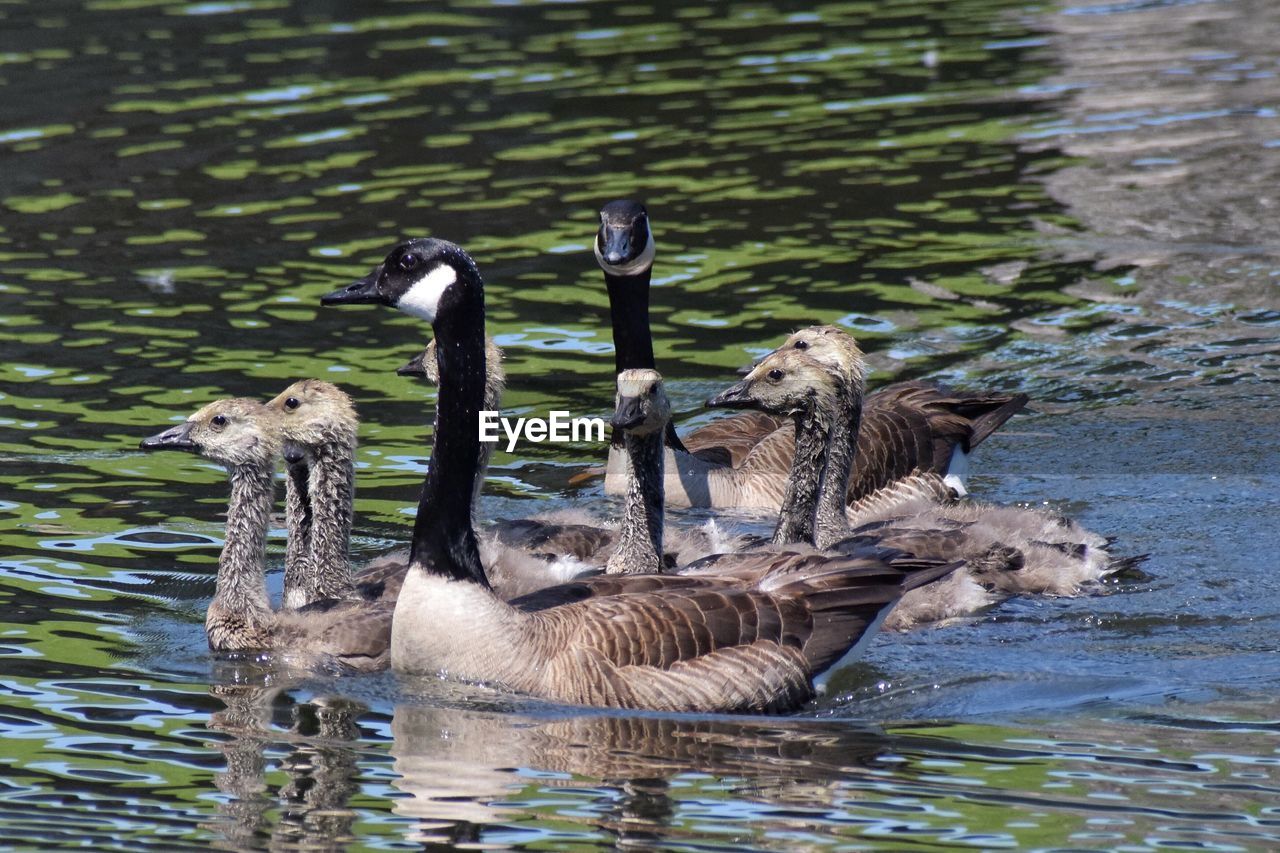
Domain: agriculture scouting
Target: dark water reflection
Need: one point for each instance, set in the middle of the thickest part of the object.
(1068, 202)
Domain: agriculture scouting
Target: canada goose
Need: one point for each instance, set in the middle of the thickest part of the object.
(743, 460)
(641, 413)
(244, 437)
(1009, 550)
(665, 642)
(911, 426)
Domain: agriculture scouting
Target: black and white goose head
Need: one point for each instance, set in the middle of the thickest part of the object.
(624, 243)
(424, 277)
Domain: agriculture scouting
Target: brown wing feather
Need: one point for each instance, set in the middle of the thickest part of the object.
(767, 627)
(355, 634)
(582, 541)
(735, 435)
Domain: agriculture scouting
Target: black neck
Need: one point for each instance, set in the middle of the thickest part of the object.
(444, 542)
(629, 311)
(632, 336)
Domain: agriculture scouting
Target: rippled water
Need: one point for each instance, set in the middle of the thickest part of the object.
(1074, 201)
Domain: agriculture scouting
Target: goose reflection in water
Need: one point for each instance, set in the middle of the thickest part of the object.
(322, 739)
(477, 768)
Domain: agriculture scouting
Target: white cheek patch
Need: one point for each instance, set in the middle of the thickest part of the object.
(641, 263)
(422, 299)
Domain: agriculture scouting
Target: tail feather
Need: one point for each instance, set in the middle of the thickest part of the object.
(988, 412)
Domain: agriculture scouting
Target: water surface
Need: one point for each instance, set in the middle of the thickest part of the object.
(1072, 201)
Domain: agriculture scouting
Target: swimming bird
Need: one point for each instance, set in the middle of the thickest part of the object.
(243, 436)
(319, 428)
(743, 460)
(665, 642)
(1008, 550)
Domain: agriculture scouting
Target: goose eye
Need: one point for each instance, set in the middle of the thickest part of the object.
(776, 375)
(408, 261)
(292, 403)
(653, 389)
(802, 344)
(218, 421)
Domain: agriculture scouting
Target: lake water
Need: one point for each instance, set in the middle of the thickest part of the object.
(1076, 201)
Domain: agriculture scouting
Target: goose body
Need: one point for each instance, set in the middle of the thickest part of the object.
(1008, 550)
(244, 436)
(741, 460)
(666, 642)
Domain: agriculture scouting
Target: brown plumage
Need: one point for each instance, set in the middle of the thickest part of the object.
(1007, 549)
(670, 643)
(244, 436)
(905, 427)
(748, 639)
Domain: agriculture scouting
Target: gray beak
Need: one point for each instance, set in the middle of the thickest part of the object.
(733, 397)
(174, 438)
(627, 414)
(362, 292)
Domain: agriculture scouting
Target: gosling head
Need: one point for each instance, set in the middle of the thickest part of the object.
(314, 414)
(785, 382)
(425, 365)
(424, 277)
(642, 407)
(236, 433)
(624, 243)
(832, 347)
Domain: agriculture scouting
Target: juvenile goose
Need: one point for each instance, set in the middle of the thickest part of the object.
(640, 641)
(743, 460)
(243, 436)
(319, 428)
(906, 426)
(1008, 550)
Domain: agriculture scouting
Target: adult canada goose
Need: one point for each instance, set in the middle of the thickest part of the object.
(243, 436)
(665, 642)
(1009, 550)
(742, 460)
